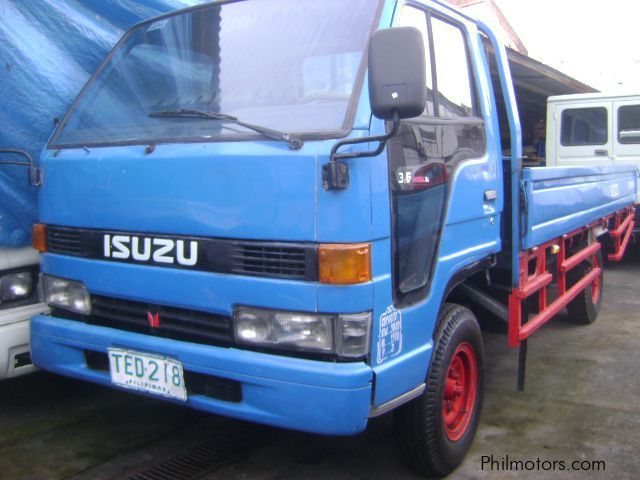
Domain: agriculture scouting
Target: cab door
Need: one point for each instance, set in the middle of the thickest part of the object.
(444, 200)
(583, 134)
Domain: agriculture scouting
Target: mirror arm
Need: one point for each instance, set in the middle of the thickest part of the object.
(335, 174)
(35, 174)
(382, 139)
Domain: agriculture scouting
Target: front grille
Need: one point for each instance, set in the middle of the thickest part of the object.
(293, 261)
(176, 323)
(263, 260)
(65, 240)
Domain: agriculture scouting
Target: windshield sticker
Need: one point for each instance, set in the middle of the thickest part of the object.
(390, 334)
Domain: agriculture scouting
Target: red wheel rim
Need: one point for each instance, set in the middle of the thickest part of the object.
(596, 286)
(460, 390)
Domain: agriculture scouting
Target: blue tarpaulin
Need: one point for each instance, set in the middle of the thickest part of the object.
(48, 50)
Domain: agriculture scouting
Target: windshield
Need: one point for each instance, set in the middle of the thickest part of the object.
(289, 66)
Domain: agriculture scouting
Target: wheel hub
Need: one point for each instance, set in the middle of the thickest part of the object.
(460, 391)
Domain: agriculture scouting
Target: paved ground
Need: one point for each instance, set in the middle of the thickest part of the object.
(581, 403)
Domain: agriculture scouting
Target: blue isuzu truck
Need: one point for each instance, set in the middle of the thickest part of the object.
(295, 213)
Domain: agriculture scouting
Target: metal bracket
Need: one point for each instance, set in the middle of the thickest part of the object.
(335, 176)
(35, 176)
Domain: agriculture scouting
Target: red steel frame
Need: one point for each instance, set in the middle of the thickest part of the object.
(621, 233)
(536, 279)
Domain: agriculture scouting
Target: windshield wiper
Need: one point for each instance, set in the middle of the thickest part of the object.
(292, 140)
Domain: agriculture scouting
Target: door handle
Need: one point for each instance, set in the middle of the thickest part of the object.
(490, 195)
(601, 153)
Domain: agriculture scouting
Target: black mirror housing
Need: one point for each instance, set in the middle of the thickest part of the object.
(397, 73)
(397, 89)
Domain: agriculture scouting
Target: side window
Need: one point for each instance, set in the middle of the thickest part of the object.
(419, 186)
(452, 70)
(629, 124)
(412, 17)
(584, 126)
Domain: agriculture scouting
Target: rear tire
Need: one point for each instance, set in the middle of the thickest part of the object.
(585, 307)
(436, 429)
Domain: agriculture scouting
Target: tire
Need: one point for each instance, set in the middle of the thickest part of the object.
(434, 442)
(585, 307)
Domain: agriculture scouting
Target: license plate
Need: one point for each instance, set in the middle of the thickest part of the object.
(148, 373)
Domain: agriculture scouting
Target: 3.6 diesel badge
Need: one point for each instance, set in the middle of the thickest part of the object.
(145, 249)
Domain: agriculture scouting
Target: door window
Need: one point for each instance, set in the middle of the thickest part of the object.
(629, 124)
(412, 17)
(584, 126)
(426, 150)
(452, 70)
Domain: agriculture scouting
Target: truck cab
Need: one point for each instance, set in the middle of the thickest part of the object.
(265, 210)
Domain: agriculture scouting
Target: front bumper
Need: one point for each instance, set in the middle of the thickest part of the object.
(307, 395)
(14, 340)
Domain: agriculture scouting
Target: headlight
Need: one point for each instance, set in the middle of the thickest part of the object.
(66, 294)
(15, 286)
(353, 334)
(345, 335)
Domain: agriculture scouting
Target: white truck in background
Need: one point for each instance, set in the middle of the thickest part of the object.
(18, 268)
(18, 303)
(593, 129)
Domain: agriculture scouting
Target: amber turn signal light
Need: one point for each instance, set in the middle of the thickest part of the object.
(39, 237)
(344, 263)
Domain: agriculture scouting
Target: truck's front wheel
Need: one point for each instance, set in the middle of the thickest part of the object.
(436, 430)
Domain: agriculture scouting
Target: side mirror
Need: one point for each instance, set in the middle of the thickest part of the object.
(397, 89)
(397, 73)
(35, 174)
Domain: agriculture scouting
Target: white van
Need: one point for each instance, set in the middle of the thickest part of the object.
(593, 129)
